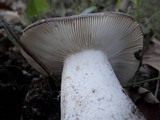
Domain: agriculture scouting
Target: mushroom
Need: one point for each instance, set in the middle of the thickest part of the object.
(94, 54)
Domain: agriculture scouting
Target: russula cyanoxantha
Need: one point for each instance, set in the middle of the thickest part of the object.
(93, 53)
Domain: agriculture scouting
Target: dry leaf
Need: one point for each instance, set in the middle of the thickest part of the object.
(11, 17)
(138, 93)
(147, 96)
(147, 103)
(152, 56)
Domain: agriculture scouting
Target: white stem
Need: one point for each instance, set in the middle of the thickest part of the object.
(91, 91)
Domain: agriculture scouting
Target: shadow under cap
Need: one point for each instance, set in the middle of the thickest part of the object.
(117, 35)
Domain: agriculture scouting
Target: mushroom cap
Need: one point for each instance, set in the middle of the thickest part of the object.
(117, 35)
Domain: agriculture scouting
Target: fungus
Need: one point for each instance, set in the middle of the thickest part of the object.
(94, 53)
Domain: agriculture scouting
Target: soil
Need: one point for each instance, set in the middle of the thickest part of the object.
(24, 93)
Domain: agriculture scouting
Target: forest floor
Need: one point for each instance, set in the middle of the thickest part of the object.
(28, 95)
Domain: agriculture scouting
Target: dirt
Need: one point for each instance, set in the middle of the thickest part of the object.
(24, 93)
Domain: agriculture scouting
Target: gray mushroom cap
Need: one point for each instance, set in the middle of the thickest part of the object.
(116, 34)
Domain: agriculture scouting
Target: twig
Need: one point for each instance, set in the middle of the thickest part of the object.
(144, 81)
(157, 87)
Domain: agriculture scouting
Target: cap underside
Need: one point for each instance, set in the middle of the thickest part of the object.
(116, 34)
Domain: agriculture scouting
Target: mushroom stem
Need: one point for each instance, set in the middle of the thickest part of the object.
(90, 90)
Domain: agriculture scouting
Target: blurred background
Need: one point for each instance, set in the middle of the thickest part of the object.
(27, 95)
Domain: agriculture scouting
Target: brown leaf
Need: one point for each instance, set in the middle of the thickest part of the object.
(12, 17)
(137, 93)
(147, 96)
(147, 103)
(152, 56)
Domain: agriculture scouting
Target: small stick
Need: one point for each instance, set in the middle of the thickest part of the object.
(157, 87)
